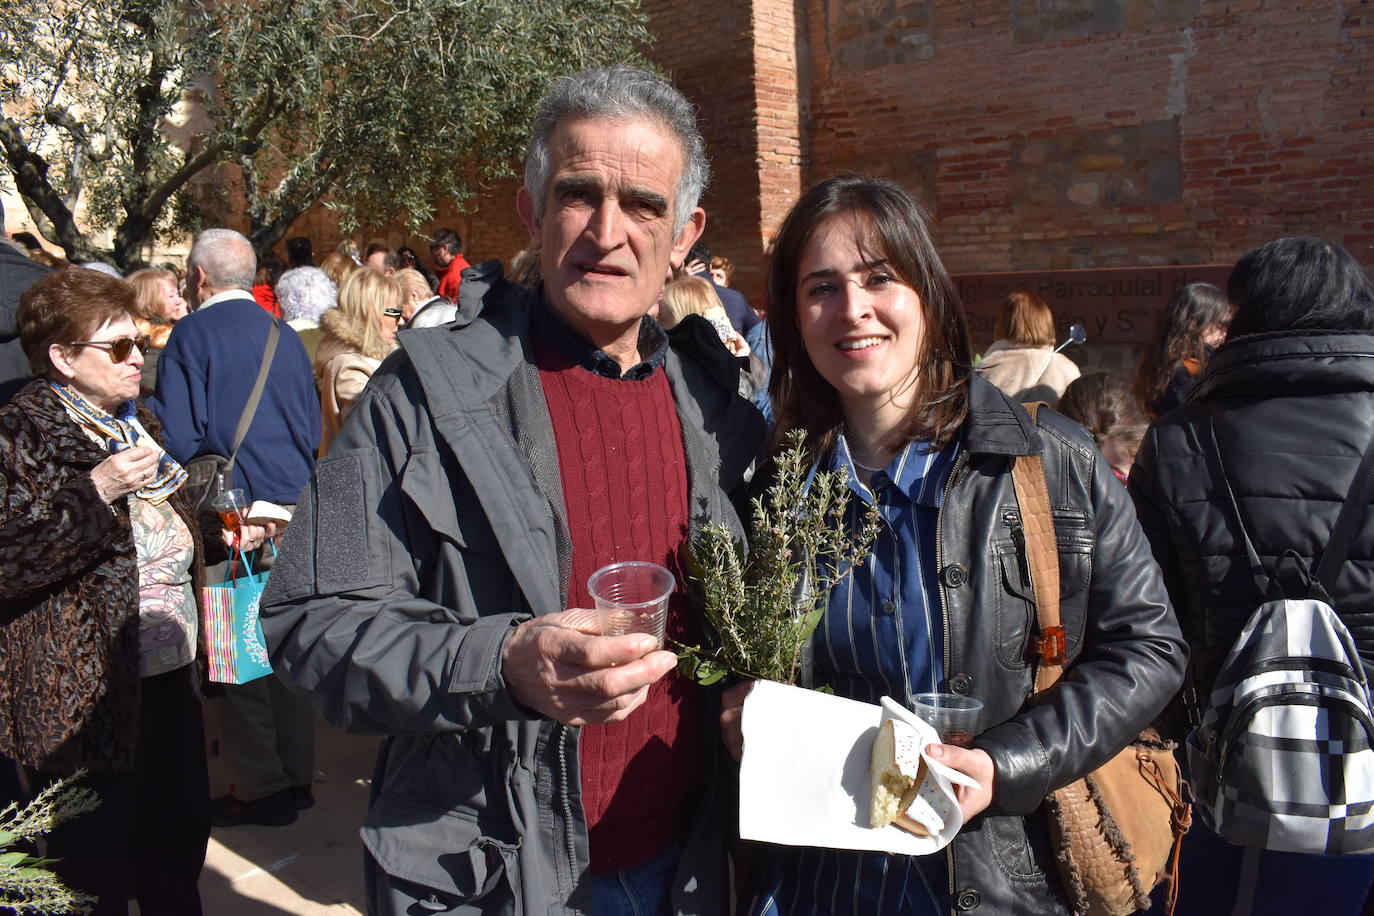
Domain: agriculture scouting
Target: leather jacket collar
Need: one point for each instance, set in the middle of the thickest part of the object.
(997, 425)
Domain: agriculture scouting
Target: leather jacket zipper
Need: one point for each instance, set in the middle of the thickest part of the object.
(959, 463)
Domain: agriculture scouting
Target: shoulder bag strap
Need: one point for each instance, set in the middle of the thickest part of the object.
(251, 408)
(1267, 585)
(1042, 556)
(1348, 521)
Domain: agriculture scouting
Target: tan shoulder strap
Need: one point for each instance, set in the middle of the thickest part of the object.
(1042, 556)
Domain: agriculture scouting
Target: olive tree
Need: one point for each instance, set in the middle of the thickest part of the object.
(377, 107)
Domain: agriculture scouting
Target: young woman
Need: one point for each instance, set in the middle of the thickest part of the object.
(1289, 398)
(1022, 361)
(1194, 324)
(872, 360)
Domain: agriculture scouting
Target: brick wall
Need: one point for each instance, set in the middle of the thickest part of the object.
(1082, 133)
(1054, 134)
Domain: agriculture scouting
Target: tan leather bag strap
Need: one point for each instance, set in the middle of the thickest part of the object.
(1042, 556)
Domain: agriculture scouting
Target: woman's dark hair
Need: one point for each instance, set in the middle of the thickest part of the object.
(1103, 404)
(1300, 283)
(888, 223)
(1190, 312)
(66, 306)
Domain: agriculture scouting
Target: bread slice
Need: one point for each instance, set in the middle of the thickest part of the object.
(262, 512)
(896, 777)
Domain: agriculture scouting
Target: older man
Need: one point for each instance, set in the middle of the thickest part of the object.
(204, 379)
(431, 586)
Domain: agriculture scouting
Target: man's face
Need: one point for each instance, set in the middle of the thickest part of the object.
(377, 261)
(440, 255)
(606, 236)
(196, 289)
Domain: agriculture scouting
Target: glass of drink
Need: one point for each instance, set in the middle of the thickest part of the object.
(632, 598)
(953, 716)
(232, 506)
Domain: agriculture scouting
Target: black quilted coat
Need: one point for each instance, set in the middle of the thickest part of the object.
(69, 649)
(1293, 414)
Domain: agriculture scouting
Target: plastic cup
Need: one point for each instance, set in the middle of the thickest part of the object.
(232, 506)
(632, 598)
(953, 716)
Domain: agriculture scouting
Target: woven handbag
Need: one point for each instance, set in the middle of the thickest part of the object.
(1117, 831)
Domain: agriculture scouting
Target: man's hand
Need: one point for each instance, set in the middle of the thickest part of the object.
(558, 666)
(732, 718)
(970, 761)
(696, 267)
(124, 472)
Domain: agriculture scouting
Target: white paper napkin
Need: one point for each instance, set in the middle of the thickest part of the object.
(804, 774)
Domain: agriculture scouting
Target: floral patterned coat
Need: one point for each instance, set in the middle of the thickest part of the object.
(69, 636)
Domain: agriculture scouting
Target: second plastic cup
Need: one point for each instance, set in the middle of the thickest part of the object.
(232, 506)
(632, 598)
(953, 716)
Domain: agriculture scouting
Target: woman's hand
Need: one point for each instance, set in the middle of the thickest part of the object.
(250, 537)
(732, 718)
(970, 761)
(124, 472)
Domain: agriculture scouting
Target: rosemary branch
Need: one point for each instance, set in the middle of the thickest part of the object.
(761, 609)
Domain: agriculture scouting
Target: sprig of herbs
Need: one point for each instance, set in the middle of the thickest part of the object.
(26, 884)
(762, 605)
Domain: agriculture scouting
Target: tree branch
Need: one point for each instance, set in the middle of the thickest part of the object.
(30, 172)
(61, 117)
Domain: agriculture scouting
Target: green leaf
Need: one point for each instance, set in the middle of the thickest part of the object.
(13, 859)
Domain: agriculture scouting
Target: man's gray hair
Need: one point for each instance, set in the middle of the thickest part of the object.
(227, 258)
(305, 293)
(623, 94)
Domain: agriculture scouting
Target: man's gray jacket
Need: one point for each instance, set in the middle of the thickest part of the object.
(433, 527)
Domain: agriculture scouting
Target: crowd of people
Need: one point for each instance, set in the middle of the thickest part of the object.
(459, 447)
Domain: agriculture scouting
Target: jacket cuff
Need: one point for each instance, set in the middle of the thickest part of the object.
(477, 674)
(1021, 765)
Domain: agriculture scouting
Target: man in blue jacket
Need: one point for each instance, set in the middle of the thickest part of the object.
(205, 376)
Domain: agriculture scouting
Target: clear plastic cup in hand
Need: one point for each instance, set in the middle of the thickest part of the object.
(632, 597)
(953, 716)
(232, 506)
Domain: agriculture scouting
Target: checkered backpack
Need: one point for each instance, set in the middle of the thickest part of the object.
(1284, 756)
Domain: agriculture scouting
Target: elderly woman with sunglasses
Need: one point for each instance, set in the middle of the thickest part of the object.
(100, 574)
(357, 337)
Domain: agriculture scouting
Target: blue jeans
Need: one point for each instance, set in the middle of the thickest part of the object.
(640, 891)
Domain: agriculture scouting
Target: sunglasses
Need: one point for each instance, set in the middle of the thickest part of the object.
(119, 348)
(392, 313)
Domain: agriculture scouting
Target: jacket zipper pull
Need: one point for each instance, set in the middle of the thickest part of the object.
(1012, 519)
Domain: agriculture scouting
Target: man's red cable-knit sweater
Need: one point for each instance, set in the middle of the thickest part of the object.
(625, 488)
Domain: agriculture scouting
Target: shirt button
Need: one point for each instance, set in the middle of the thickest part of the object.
(889, 606)
(961, 683)
(968, 899)
(955, 575)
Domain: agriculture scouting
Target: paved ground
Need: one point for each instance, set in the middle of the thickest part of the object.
(312, 867)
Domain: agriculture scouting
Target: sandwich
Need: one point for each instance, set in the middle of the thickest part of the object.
(262, 512)
(897, 778)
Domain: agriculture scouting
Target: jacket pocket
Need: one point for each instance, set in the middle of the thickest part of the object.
(1016, 616)
(441, 858)
(432, 830)
(1020, 845)
(434, 493)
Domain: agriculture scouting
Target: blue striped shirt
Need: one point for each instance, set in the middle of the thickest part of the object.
(882, 635)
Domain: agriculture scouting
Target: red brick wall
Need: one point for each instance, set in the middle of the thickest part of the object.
(1268, 99)
(1180, 132)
